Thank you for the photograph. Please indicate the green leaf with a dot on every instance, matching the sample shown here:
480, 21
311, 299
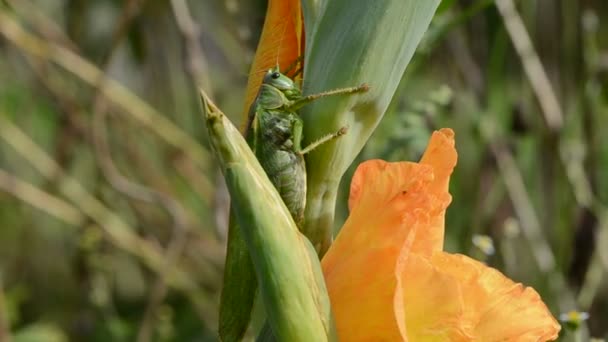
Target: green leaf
238, 287
289, 276
350, 43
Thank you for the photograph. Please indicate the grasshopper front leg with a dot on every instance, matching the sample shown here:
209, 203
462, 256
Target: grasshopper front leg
297, 104
297, 128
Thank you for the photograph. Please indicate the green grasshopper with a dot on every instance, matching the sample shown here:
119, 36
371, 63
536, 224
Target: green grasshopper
274, 131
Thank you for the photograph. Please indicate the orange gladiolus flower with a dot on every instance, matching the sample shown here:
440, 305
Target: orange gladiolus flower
387, 276
389, 280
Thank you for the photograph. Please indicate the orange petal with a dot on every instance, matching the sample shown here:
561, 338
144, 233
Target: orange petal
388, 279
390, 203
361, 290
428, 303
387, 199
282, 42
452, 297
441, 155
498, 308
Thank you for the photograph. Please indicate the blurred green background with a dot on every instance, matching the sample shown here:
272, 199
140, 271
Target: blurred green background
113, 214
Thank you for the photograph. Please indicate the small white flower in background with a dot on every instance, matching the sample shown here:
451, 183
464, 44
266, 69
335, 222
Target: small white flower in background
573, 319
484, 243
574, 316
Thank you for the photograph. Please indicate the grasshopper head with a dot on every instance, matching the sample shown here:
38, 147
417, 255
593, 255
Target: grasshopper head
274, 78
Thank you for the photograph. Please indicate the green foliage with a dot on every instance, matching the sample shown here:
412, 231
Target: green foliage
274, 133
289, 277
376, 41
65, 278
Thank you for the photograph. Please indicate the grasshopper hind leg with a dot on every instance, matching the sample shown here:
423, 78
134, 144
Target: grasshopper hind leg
322, 140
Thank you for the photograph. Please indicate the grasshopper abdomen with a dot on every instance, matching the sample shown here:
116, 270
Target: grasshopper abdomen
277, 150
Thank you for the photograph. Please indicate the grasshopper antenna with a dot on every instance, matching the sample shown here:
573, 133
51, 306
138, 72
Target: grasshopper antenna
295, 65
277, 67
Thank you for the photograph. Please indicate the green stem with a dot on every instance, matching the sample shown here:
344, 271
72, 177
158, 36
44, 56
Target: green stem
320, 212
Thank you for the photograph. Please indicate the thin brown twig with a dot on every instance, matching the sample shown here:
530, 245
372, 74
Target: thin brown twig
145, 114
198, 71
134, 190
551, 109
129, 188
130, 11
197, 63
530, 223
524, 208
41, 22
40, 199
73, 125
177, 241
112, 90
516, 189
118, 231
514, 183
139, 192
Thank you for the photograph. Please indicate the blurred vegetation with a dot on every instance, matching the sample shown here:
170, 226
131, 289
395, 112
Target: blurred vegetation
112, 214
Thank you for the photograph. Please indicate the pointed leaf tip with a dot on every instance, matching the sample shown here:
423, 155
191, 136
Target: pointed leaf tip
209, 108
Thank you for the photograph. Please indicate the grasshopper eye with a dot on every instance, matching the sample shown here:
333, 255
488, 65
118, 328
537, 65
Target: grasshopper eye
275, 75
